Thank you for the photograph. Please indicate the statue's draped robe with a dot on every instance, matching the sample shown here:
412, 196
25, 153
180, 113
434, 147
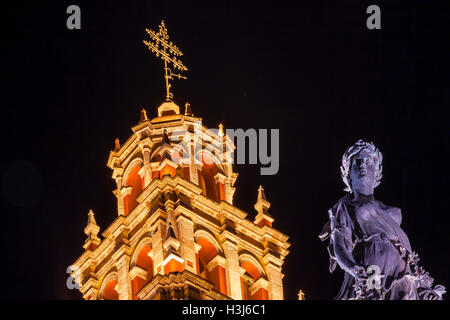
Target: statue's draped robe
372, 235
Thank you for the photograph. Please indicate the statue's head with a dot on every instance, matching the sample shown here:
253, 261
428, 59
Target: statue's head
361, 167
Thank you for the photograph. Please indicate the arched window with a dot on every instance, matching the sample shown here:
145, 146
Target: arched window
207, 252
145, 263
108, 288
134, 181
110, 293
211, 264
253, 282
209, 171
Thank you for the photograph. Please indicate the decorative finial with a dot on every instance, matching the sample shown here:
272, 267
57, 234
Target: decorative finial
262, 207
91, 231
168, 52
221, 133
91, 218
187, 109
117, 145
261, 194
301, 295
143, 115
91, 228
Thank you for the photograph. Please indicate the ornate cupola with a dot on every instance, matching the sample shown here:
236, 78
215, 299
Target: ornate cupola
177, 234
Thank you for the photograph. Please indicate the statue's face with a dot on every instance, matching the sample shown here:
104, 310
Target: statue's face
362, 172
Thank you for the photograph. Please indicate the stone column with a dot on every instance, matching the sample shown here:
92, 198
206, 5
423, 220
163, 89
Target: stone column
275, 278
157, 248
123, 278
187, 248
147, 167
232, 270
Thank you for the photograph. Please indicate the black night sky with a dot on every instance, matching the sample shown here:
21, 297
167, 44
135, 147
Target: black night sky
312, 70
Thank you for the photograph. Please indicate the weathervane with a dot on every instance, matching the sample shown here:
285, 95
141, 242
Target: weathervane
168, 52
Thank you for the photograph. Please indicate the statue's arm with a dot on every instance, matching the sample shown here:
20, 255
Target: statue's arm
343, 253
341, 239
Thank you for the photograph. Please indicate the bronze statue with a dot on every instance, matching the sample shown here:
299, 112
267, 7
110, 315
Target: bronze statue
366, 239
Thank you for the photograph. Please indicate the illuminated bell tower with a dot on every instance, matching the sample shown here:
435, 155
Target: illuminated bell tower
177, 234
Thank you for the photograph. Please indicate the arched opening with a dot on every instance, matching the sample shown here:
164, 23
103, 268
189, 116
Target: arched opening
207, 252
134, 181
109, 291
251, 270
210, 265
144, 262
251, 288
207, 181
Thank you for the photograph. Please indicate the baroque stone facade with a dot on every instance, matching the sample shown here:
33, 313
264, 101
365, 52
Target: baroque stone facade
177, 234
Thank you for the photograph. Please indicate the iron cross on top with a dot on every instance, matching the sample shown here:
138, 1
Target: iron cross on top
168, 52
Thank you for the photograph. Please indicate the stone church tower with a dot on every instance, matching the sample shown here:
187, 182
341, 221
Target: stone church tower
177, 234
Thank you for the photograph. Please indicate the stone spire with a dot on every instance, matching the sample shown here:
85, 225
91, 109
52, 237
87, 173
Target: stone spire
262, 207
91, 231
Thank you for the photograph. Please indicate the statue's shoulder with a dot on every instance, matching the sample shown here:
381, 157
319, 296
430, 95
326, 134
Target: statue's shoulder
341, 203
332, 215
394, 212
340, 213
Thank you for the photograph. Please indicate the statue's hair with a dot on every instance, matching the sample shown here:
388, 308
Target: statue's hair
347, 159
